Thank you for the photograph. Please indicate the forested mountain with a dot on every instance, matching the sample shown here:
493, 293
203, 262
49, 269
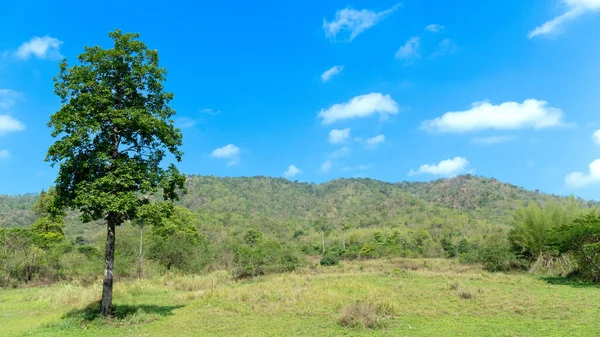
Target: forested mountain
276, 202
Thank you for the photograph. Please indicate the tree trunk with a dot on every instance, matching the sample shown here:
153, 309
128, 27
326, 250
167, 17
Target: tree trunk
107, 285
141, 255
323, 241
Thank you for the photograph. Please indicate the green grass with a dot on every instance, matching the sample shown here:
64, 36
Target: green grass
398, 297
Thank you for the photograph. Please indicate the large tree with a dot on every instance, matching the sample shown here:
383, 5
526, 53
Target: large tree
113, 131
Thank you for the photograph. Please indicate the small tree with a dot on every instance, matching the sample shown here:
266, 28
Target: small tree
324, 226
114, 129
48, 228
150, 214
345, 227
582, 239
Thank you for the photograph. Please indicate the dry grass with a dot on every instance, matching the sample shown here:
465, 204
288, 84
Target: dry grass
359, 315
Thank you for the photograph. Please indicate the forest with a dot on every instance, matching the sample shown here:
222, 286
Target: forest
259, 225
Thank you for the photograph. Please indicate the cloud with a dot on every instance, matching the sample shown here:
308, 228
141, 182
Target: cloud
492, 140
434, 28
341, 152
506, 116
354, 21
42, 47
360, 107
292, 171
579, 180
339, 136
445, 47
8, 98
9, 124
326, 166
375, 141
410, 50
446, 168
230, 152
575, 8
4, 154
596, 137
327, 75
185, 123
356, 168
210, 111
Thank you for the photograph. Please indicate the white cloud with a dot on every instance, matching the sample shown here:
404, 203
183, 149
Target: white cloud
210, 111
354, 21
492, 140
230, 152
292, 171
579, 179
8, 98
596, 137
42, 47
339, 136
4, 154
356, 168
327, 75
375, 141
506, 116
575, 8
410, 50
185, 123
446, 168
326, 166
445, 47
359, 107
434, 28
9, 124
341, 152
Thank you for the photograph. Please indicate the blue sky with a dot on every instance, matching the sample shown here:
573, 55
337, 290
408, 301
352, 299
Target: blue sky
317, 90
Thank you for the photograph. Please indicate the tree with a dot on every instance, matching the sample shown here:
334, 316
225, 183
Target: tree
322, 225
48, 228
150, 214
532, 226
176, 240
113, 130
582, 239
345, 227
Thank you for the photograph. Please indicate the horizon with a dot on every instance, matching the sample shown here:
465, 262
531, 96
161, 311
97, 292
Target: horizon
402, 92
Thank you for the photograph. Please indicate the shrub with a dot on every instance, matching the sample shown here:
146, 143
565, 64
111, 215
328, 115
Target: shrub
359, 315
496, 254
465, 294
329, 260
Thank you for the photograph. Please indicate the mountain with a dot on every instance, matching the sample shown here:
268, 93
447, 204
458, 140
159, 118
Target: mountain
277, 204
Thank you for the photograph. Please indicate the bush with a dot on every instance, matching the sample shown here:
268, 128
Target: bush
496, 254
359, 315
329, 260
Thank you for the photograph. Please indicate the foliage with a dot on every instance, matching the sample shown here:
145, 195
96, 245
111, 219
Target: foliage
581, 238
48, 228
532, 226
495, 254
113, 130
177, 243
329, 260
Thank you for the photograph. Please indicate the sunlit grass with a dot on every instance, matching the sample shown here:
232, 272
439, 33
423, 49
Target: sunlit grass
377, 297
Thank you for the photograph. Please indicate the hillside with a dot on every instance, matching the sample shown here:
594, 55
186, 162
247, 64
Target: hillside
268, 202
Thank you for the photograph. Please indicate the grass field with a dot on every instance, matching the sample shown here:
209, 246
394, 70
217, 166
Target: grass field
398, 297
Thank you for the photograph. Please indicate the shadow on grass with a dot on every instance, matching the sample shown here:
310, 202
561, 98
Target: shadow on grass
123, 312
569, 281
